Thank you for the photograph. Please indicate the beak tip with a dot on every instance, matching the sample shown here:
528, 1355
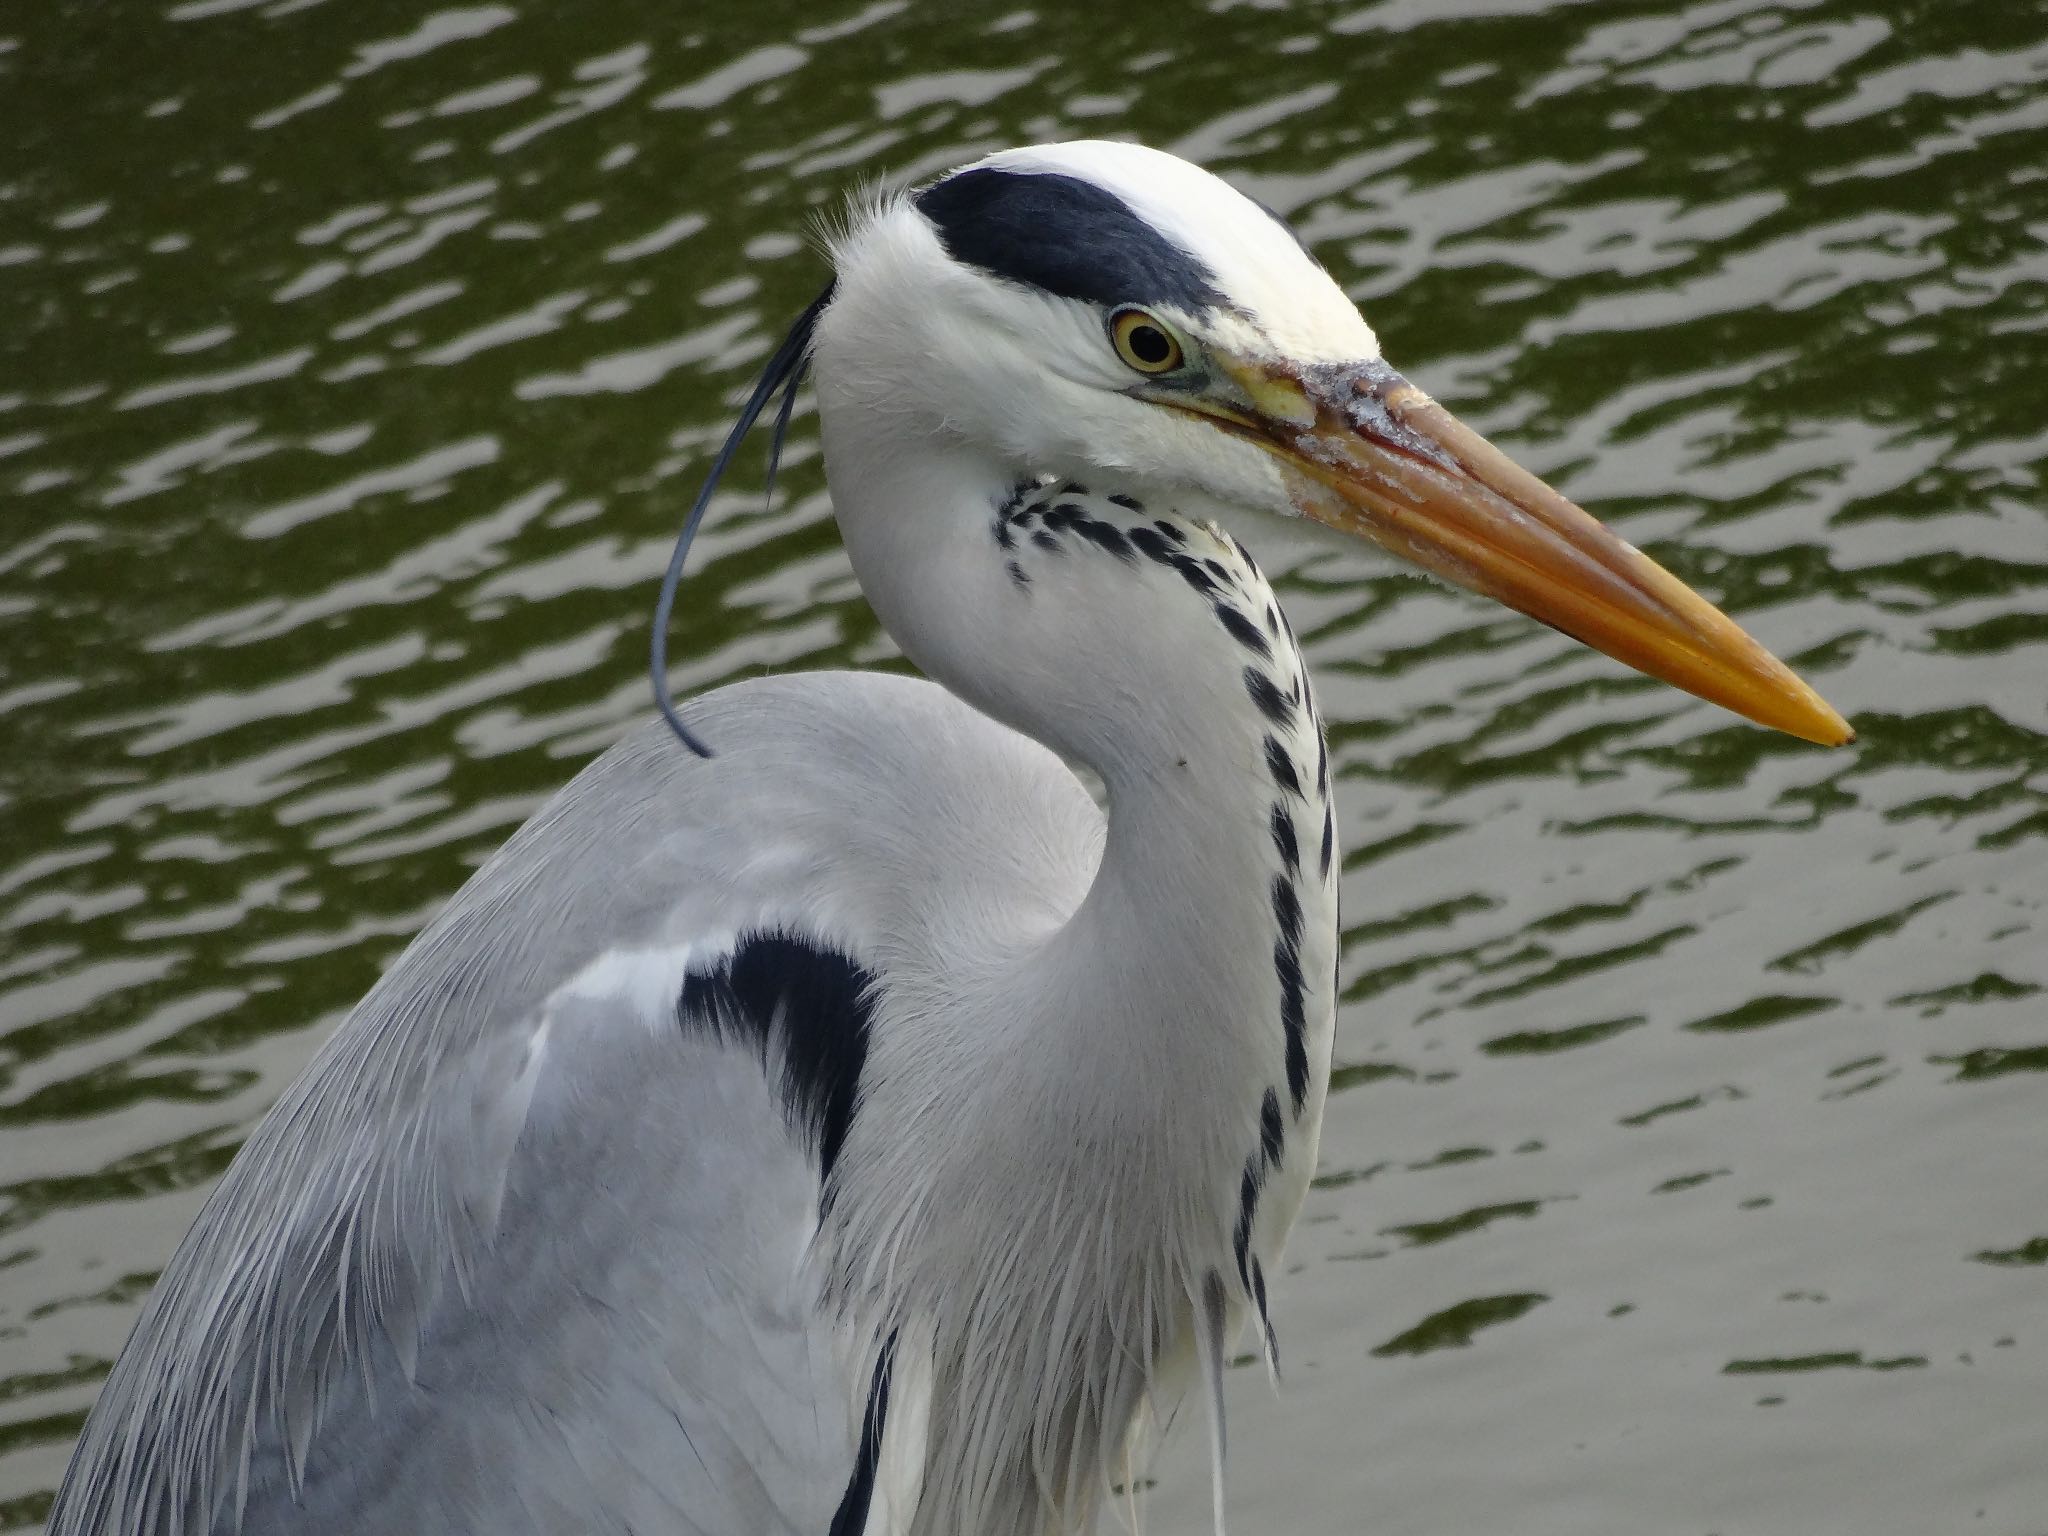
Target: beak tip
1821, 724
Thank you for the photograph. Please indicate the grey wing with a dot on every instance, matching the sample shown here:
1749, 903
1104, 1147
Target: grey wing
524, 1250
637, 1347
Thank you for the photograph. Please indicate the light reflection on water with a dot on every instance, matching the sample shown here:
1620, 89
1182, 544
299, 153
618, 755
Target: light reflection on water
356, 363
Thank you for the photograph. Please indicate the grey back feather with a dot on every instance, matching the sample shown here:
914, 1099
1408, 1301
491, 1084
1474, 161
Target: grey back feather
507, 1219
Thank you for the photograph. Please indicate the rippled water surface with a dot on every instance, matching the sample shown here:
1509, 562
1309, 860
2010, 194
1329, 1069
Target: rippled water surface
1686, 1169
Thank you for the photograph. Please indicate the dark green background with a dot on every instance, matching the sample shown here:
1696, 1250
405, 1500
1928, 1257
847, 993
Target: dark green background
1686, 1168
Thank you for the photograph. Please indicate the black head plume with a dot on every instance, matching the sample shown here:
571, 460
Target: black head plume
783, 374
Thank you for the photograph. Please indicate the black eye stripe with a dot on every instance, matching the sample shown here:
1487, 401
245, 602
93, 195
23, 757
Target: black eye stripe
1066, 236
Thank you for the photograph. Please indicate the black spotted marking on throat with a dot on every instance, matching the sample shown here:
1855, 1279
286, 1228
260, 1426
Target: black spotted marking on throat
1265, 1317
1014, 515
1272, 1134
1281, 766
1191, 572
1250, 1273
1293, 989
1282, 710
1065, 236
1272, 703
1247, 1209
1287, 628
1284, 840
1149, 543
781, 992
1107, 536
1163, 542
1020, 495
1287, 909
1244, 631
1041, 516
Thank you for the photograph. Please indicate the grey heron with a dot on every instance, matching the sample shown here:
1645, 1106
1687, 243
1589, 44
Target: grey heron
858, 1130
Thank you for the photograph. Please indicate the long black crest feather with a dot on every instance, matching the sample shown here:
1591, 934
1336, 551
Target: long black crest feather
783, 374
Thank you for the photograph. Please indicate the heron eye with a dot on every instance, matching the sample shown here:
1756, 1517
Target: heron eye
1144, 341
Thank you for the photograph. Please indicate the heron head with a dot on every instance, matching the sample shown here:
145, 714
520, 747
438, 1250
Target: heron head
1104, 308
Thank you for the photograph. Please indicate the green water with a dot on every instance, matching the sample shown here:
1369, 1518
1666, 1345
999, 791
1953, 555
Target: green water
1686, 1169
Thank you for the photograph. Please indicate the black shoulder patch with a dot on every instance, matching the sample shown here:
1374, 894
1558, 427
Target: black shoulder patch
1066, 236
815, 1005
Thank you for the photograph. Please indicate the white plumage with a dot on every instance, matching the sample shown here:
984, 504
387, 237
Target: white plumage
856, 1132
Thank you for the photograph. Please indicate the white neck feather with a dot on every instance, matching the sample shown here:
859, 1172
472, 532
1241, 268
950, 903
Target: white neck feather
1168, 1044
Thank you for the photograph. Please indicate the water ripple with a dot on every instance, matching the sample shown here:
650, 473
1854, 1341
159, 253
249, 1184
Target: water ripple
1687, 1077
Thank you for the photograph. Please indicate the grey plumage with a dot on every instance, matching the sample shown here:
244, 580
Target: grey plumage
663, 1351
516, 1207
859, 1132
320, 1356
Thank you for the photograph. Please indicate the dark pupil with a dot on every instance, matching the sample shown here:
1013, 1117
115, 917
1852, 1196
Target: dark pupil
1148, 344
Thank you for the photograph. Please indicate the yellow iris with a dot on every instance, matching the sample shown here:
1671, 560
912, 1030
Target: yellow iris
1144, 341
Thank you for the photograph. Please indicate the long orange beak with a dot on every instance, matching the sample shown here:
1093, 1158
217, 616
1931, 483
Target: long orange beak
1370, 454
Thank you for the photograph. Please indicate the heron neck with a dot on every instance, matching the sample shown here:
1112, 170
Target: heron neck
1174, 1026
1147, 646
